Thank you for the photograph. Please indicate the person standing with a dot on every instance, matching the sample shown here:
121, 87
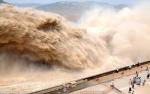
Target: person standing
148, 73
130, 89
144, 82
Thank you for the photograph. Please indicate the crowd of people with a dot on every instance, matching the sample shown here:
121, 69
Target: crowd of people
137, 80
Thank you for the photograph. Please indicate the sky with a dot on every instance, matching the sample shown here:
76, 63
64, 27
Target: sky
52, 1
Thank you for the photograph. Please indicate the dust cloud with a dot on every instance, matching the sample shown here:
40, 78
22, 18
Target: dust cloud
47, 43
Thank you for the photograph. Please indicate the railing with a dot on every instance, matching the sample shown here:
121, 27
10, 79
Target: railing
95, 79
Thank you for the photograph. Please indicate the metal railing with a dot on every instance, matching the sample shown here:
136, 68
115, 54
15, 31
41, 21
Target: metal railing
95, 79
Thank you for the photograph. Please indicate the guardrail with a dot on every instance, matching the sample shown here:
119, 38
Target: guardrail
95, 79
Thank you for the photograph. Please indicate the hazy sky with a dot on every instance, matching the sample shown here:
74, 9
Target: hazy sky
51, 1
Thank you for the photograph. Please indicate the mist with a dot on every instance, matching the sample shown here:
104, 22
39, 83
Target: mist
43, 43
125, 33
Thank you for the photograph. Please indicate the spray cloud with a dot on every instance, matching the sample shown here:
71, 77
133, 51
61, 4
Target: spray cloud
105, 38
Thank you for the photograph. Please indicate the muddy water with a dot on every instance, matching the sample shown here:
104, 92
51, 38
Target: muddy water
40, 50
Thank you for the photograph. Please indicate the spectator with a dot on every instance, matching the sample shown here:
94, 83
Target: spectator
130, 89
144, 82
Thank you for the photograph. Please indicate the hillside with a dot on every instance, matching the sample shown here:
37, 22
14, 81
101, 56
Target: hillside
73, 10
1, 1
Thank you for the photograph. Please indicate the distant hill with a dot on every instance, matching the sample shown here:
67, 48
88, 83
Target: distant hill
73, 10
1, 1
28, 5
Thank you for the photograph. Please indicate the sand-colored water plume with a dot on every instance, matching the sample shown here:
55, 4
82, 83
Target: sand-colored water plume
46, 37
104, 39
